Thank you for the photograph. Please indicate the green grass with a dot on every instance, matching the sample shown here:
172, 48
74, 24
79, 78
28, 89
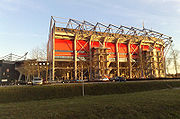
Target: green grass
29, 93
158, 104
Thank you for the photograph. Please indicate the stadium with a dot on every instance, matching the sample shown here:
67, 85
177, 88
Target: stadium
79, 50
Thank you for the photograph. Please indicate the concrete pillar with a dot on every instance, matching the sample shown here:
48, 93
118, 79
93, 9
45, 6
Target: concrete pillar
117, 57
53, 63
82, 73
129, 59
90, 58
141, 62
20, 76
46, 72
75, 58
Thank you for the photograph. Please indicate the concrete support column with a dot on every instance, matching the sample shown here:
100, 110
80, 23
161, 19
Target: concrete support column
75, 57
53, 63
129, 59
155, 61
164, 61
20, 75
90, 58
155, 64
141, 60
160, 59
117, 57
82, 73
46, 71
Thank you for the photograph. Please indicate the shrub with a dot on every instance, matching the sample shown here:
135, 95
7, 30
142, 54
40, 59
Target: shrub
28, 93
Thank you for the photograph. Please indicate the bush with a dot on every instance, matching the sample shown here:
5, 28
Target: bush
28, 93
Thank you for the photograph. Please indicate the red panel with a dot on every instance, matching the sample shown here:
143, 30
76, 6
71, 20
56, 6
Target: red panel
134, 49
145, 47
95, 44
61, 44
112, 49
63, 53
82, 48
83, 45
64, 47
122, 50
111, 46
158, 49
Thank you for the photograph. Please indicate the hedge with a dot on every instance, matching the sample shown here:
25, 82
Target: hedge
29, 93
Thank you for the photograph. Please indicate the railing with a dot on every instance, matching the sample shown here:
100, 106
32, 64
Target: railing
13, 57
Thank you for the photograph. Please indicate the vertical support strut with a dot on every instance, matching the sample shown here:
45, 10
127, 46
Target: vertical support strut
141, 62
160, 62
20, 76
46, 71
129, 59
82, 73
164, 61
53, 68
75, 57
90, 58
155, 63
104, 42
117, 57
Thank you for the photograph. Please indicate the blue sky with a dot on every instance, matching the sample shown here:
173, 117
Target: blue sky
24, 24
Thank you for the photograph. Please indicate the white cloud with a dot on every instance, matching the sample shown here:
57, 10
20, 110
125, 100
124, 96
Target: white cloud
17, 5
160, 1
178, 10
171, 1
8, 6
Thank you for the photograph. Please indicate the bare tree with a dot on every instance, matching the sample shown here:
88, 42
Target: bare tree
172, 60
168, 62
39, 53
175, 58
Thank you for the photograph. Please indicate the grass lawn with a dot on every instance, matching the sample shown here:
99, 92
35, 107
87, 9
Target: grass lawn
157, 104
